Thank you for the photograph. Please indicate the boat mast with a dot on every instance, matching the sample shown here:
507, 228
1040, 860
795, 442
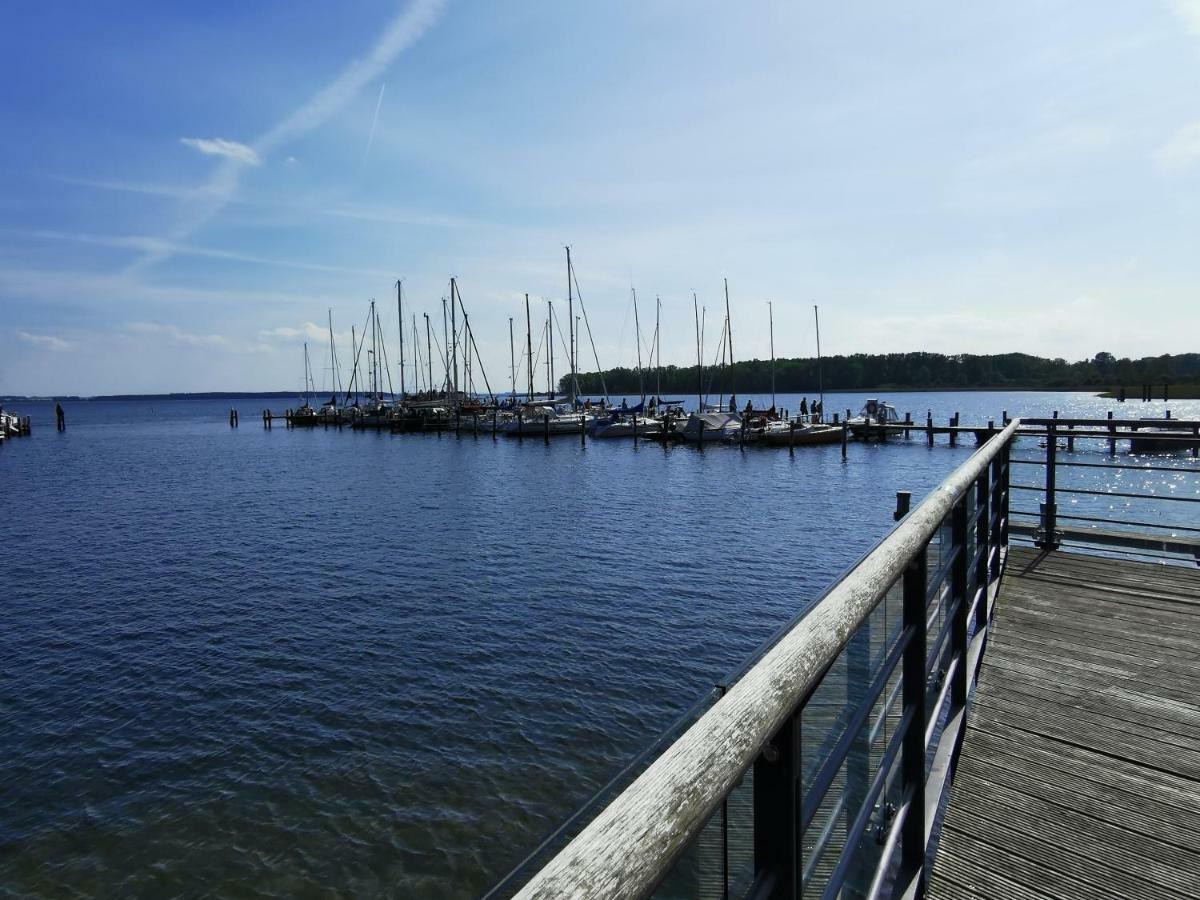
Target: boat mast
428, 351
550, 344
571, 327
335, 387
400, 323
699, 359
453, 337
529, 345
417, 357
658, 342
637, 333
353, 386
820, 380
376, 387
771, 316
307, 378
446, 351
729, 334
512, 357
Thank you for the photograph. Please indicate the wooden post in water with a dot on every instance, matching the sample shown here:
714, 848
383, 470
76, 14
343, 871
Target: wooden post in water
845, 438
495, 415
929, 427
908, 424
1070, 439
903, 504
953, 434
582, 428
635, 434
1112, 441
546, 427
792, 438
520, 427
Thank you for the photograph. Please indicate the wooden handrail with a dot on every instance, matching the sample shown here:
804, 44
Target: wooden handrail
631, 845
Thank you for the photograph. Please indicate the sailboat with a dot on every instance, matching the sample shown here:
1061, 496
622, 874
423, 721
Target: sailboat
710, 424
305, 414
803, 430
627, 421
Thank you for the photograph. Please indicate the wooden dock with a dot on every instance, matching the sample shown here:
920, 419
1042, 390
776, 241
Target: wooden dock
1079, 774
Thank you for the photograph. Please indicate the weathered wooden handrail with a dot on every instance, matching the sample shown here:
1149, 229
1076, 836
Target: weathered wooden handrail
628, 849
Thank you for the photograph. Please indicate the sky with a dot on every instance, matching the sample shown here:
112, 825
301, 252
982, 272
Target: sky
189, 191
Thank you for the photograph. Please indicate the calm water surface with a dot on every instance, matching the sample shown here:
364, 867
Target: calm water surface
251, 663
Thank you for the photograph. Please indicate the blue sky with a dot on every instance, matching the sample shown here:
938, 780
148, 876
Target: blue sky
186, 189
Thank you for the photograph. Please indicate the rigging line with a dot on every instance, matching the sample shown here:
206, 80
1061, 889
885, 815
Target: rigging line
558, 327
383, 349
479, 362
591, 340
713, 369
357, 354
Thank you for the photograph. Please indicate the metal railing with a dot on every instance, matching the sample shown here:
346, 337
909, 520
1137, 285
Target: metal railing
819, 770
1089, 497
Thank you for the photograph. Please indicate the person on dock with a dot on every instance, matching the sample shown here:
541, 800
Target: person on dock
733, 403
60, 416
804, 406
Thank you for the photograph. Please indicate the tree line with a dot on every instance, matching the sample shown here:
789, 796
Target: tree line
910, 371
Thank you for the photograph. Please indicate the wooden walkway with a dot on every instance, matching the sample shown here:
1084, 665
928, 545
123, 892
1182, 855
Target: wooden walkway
1080, 768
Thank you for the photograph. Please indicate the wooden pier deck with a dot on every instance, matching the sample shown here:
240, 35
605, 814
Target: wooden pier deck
1080, 768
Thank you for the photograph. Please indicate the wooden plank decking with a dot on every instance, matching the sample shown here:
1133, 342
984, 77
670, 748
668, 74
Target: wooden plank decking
1080, 769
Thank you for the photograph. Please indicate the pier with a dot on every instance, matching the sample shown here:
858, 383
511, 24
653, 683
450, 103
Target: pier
986, 704
1080, 769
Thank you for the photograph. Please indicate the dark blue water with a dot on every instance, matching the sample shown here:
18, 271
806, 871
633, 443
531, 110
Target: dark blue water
241, 662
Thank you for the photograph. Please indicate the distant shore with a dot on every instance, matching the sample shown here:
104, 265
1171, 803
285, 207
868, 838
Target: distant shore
1175, 392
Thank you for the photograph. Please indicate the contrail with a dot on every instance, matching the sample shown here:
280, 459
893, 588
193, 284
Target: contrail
374, 122
398, 35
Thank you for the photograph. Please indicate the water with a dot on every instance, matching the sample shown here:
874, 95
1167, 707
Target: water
241, 662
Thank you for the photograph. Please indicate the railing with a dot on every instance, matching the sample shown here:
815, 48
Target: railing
1099, 498
819, 770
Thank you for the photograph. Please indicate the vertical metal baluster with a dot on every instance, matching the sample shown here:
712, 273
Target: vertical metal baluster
912, 754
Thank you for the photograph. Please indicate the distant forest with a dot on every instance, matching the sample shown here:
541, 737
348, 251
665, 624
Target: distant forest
911, 371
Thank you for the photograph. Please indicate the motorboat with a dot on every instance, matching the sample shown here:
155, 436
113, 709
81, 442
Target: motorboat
877, 418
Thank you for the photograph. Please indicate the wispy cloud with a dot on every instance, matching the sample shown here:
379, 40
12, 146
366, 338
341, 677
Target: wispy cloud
221, 147
153, 245
45, 341
170, 191
177, 335
1182, 151
309, 330
399, 34
374, 122
1189, 12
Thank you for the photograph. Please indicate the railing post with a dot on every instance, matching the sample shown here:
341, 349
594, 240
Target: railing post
1048, 539
1005, 478
777, 812
960, 593
912, 761
984, 538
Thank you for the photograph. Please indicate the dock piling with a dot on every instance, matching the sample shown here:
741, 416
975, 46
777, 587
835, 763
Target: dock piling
1112, 442
845, 438
546, 427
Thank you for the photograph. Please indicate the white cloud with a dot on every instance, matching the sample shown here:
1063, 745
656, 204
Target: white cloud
221, 147
46, 341
1181, 151
178, 335
1189, 12
292, 161
309, 330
